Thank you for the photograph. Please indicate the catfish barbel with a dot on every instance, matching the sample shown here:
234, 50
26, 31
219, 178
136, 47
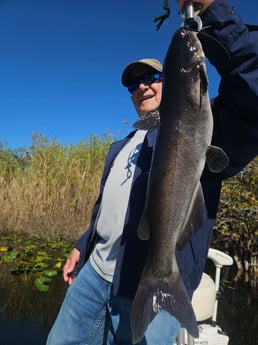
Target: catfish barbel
175, 203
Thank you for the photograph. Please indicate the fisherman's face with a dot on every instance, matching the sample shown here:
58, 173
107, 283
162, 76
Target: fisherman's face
147, 97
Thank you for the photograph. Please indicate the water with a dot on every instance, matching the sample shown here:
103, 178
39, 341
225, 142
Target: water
238, 308
26, 315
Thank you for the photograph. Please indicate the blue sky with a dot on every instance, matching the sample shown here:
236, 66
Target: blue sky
61, 64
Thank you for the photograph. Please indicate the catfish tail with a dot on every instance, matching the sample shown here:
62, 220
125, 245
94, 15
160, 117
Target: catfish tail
154, 294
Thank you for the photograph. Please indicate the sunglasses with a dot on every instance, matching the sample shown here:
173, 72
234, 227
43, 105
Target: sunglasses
147, 79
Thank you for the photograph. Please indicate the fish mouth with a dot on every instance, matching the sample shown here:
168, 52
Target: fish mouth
193, 56
197, 64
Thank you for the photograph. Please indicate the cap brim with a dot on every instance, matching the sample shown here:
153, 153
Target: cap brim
135, 70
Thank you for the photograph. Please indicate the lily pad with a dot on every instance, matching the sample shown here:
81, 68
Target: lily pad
58, 265
40, 266
10, 257
42, 283
28, 250
50, 273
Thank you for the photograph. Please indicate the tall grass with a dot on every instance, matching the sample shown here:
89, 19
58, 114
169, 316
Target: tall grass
50, 189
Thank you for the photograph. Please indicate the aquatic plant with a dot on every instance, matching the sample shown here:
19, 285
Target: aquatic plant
34, 259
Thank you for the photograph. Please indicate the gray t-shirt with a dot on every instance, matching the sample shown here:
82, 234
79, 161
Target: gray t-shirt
114, 206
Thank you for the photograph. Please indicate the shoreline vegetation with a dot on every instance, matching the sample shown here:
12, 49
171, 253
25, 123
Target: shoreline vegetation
48, 191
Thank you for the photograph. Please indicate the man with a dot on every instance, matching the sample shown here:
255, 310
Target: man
108, 259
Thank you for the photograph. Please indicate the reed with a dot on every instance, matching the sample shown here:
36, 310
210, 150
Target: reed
50, 189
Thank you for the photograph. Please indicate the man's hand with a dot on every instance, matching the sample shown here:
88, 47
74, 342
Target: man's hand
70, 264
205, 4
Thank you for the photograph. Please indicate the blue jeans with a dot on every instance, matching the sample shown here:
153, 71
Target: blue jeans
91, 315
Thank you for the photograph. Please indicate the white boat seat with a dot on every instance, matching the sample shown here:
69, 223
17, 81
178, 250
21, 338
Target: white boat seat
204, 298
205, 304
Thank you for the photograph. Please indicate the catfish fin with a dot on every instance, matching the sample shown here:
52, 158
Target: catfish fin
148, 121
217, 160
154, 294
143, 230
194, 220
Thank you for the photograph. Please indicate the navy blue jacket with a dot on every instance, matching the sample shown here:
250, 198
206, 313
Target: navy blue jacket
232, 48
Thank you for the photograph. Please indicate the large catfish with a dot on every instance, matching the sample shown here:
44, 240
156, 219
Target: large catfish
175, 205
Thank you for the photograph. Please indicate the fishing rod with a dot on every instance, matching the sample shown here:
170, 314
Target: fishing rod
189, 13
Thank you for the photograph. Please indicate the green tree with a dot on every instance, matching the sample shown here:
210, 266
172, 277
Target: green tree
237, 222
